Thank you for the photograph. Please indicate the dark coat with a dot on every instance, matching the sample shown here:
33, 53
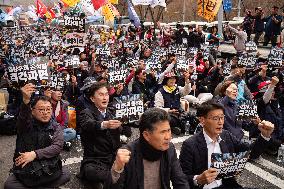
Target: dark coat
194, 154
170, 170
99, 144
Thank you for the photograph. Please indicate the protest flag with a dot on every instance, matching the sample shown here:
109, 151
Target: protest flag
113, 1
133, 15
88, 7
107, 12
99, 3
208, 9
70, 3
41, 8
114, 10
51, 12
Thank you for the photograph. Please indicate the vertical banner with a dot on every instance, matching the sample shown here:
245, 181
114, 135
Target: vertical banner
208, 9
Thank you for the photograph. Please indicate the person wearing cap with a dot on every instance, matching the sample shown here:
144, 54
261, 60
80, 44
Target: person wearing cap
168, 98
272, 27
149, 162
258, 24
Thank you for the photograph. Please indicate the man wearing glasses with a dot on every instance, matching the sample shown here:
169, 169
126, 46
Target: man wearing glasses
195, 156
39, 142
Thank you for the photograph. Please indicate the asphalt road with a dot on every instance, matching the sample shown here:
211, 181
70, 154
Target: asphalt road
266, 173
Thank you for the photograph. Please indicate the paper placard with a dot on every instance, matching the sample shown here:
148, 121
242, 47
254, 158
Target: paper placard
229, 164
129, 108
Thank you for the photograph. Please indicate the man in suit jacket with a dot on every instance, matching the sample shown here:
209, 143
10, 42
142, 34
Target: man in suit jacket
195, 156
100, 137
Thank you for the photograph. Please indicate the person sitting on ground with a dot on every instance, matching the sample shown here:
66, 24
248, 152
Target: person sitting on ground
39, 142
168, 98
60, 114
150, 161
195, 156
100, 137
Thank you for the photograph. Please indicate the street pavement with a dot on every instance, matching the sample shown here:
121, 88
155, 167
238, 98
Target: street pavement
265, 173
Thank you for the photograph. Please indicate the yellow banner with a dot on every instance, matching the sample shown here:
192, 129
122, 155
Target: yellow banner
113, 1
70, 3
208, 9
107, 12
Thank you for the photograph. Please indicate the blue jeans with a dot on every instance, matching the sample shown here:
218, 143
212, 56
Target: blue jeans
69, 134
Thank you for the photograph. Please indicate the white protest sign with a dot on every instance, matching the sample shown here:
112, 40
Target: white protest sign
76, 40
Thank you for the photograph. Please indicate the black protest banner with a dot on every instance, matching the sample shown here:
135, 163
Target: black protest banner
229, 164
227, 69
153, 63
191, 53
247, 110
177, 50
74, 23
251, 47
117, 76
132, 61
128, 108
275, 57
34, 70
160, 51
75, 40
2, 53
130, 45
105, 50
58, 81
248, 60
182, 64
72, 61
38, 44
111, 64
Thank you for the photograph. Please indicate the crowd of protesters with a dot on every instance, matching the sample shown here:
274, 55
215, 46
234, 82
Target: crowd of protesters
151, 161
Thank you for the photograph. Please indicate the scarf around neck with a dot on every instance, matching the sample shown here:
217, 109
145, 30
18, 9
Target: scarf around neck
169, 89
148, 152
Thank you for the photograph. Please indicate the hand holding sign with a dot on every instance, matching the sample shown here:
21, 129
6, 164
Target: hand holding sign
27, 92
122, 157
207, 176
111, 124
266, 128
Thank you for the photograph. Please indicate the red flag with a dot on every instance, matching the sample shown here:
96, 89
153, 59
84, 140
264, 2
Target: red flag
41, 8
99, 3
52, 12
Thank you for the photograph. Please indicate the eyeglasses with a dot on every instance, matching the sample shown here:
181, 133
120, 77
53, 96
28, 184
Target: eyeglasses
42, 110
217, 118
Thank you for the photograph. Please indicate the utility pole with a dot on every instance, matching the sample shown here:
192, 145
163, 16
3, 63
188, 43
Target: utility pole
239, 8
183, 11
220, 20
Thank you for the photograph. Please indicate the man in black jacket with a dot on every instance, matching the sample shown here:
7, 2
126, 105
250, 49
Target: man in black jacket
195, 156
151, 161
100, 137
39, 142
